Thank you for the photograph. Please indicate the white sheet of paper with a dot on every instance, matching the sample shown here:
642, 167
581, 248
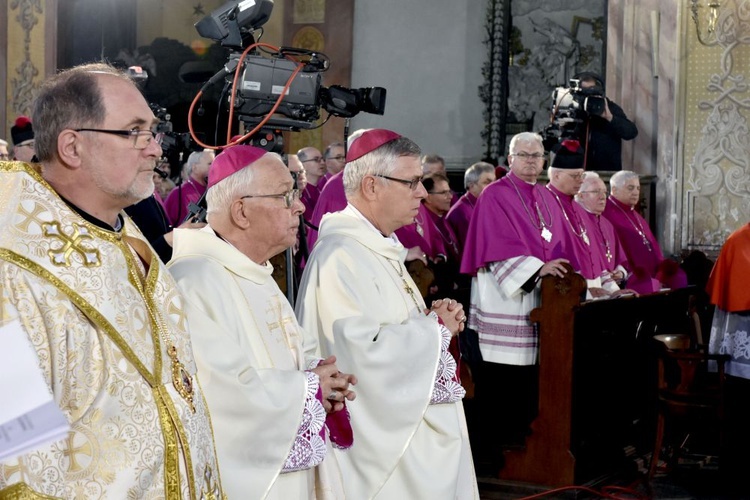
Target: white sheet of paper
22, 385
29, 416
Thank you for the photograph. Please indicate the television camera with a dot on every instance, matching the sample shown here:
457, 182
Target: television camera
264, 75
571, 107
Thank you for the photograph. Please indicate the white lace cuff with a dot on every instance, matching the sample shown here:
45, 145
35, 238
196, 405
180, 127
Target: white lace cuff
309, 448
447, 388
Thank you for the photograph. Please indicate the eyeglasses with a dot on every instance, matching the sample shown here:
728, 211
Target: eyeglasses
337, 157
595, 191
440, 193
579, 176
289, 197
4, 156
528, 156
28, 144
317, 159
413, 184
141, 138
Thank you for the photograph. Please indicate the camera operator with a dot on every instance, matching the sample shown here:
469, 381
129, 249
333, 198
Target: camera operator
606, 131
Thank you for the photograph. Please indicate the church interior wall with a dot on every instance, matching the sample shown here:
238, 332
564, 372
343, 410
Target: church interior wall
689, 101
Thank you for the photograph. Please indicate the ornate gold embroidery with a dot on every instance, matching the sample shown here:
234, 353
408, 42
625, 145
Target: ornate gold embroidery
210, 490
171, 448
70, 243
21, 491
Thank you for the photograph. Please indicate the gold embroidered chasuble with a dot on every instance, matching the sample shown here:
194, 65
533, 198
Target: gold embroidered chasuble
102, 313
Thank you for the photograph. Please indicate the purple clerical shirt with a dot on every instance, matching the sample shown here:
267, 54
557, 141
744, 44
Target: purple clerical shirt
458, 218
603, 236
635, 235
310, 196
423, 233
176, 204
577, 243
332, 199
506, 223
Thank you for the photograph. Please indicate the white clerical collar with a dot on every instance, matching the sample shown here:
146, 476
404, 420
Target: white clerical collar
352, 210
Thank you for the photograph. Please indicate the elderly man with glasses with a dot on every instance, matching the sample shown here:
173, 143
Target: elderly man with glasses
515, 238
592, 197
335, 159
408, 418
266, 388
103, 314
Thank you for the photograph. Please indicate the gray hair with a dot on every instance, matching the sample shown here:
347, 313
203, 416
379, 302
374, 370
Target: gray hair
327, 152
381, 161
194, 158
3, 143
588, 178
70, 99
474, 172
525, 137
221, 195
622, 177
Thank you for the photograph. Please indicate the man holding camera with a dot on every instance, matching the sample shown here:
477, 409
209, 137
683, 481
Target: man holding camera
604, 133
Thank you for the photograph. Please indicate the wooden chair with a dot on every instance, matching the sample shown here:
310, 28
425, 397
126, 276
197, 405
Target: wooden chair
687, 391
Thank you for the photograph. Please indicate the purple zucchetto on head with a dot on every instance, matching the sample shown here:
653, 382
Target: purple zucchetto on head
569, 155
232, 160
370, 141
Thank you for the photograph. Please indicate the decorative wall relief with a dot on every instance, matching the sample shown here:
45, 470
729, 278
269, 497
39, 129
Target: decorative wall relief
717, 193
22, 85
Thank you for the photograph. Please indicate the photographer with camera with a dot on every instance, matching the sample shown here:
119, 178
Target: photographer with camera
604, 131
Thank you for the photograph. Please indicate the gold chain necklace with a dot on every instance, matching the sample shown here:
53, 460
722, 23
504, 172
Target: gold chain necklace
407, 287
181, 379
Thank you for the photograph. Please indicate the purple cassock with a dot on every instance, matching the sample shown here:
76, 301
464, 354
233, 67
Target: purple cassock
577, 243
457, 219
429, 233
512, 218
332, 199
310, 196
603, 236
176, 204
639, 243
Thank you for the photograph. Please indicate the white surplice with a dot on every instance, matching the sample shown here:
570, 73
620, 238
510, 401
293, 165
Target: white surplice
101, 312
355, 293
249, 350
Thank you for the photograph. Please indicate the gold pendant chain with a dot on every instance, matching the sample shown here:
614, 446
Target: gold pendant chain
182, 381
407, 287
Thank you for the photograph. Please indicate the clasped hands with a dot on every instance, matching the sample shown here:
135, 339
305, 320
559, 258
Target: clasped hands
451, 313
334, 385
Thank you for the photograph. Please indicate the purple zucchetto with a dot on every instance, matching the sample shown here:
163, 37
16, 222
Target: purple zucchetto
370, 141
233, 160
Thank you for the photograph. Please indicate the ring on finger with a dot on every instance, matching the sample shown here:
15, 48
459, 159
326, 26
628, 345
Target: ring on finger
333, 396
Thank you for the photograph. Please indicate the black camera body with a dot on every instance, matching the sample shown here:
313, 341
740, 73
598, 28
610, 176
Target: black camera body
264, 79
571, 108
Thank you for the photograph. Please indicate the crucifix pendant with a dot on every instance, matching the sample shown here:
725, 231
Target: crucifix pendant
546, 234
585, 237
609, 255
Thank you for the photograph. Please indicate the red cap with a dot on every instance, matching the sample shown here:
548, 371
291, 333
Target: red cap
369, 141
233, 160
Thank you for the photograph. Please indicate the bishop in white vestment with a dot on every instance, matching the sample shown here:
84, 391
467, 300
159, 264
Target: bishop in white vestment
408, 419
261, 382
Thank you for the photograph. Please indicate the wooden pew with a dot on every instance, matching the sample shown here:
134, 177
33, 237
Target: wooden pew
596, 382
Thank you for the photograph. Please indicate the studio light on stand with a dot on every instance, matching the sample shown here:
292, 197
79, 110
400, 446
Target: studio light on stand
705, 15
